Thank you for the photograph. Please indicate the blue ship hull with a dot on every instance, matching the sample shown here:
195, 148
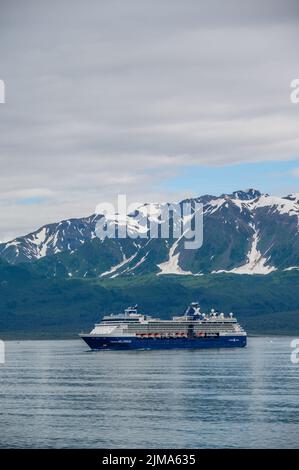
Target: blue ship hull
129, 342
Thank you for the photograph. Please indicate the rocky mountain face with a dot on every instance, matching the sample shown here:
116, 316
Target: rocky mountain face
245, 232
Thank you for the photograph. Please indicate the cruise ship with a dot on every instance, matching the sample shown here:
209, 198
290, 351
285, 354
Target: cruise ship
194, 329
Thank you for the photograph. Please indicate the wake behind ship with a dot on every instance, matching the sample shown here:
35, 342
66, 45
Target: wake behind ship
194, 329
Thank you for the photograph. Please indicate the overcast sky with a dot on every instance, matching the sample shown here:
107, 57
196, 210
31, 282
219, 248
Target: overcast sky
136, 96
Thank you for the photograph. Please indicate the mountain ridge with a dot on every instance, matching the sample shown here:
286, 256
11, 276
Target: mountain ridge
245, 232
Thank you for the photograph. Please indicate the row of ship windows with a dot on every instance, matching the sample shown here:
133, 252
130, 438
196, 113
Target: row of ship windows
171, 323
196, 328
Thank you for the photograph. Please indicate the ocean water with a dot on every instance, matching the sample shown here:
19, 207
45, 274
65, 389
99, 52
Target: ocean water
58, 394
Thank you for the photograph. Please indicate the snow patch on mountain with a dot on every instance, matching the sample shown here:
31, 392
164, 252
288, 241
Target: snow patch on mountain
283, 205
256, 262
214, 206
224, 202
118, 266
39, 237
171, 266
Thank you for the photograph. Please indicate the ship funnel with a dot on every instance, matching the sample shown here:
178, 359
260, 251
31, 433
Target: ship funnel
193, 309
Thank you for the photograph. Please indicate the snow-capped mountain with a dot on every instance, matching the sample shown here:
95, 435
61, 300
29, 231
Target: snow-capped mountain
49, 240
245, 232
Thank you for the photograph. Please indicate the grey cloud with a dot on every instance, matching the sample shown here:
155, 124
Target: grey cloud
111, 96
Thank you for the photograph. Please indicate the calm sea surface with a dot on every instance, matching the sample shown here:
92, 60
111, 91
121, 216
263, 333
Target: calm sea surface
58, 394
